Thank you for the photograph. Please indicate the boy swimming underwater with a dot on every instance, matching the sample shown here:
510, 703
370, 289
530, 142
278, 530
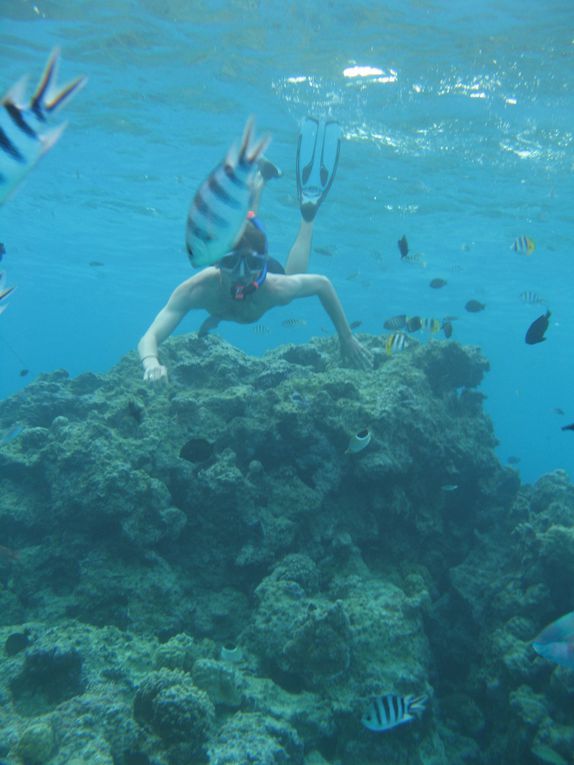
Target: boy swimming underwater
246, 283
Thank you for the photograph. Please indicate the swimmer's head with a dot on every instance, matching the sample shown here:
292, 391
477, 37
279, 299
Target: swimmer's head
247, 262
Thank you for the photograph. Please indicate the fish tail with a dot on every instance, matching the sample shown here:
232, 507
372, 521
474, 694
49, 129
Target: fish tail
417, 705
247, 155
40, 104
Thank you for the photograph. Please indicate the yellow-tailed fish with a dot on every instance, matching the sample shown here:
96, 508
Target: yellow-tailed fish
359, 441
431, 325
217, 216
523, 245
23, 135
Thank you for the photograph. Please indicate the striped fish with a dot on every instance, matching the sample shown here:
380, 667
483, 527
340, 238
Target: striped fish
388, 711
218, 211
398, 341
395, 322
23, 137
524, 245
294, 322
532, 298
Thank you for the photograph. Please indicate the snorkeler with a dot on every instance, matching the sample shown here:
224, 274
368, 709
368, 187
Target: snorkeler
247, 282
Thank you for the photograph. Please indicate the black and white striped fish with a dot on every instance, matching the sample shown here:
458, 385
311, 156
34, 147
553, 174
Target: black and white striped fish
388, 711
218, 211
23, 135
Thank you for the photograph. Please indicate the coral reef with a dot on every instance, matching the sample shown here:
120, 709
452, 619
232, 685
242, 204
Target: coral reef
145, 528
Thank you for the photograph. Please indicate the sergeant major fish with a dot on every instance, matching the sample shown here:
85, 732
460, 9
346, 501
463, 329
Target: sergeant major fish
22, 140
217, 215
389, 711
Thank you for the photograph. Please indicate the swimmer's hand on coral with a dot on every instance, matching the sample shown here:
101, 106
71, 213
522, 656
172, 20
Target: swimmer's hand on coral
154, 372
355, 353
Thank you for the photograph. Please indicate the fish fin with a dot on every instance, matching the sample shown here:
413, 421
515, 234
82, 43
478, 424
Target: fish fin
16, 94
65, 94
317, 159
417, 705
248, 154
51, 137
45, 98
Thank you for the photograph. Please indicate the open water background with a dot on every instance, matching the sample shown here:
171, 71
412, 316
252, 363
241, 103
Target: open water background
463, 143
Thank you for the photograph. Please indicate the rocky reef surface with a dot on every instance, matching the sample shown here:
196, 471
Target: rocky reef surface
201, 573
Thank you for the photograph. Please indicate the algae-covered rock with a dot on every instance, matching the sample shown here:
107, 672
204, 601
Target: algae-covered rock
174, 708
152, 525
257, 739
37, 743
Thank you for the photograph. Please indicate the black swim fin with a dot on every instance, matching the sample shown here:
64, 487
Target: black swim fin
317, 158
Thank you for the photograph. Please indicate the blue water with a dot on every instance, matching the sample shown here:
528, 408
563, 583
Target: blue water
463, 143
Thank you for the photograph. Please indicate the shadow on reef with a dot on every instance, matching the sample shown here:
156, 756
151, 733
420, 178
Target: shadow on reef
200, 573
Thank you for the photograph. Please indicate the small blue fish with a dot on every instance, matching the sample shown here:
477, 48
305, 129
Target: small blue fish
217, 216
389, 711
23, 138
556, 642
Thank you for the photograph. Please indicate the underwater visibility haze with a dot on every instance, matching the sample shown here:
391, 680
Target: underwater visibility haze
300, 548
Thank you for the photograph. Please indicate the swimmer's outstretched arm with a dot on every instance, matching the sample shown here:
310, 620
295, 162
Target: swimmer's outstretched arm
184, 298
308, 285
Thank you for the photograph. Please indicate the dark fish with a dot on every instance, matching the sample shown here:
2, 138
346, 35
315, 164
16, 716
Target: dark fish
568, 427
473, 306
23, 135
218, 212
436, 284
447, 329
536, 330
413, 323
355, 324
403, 246
324, 251
395, 322
95, 263
2, 250
513, 460
388, 711
557, 410
23, 372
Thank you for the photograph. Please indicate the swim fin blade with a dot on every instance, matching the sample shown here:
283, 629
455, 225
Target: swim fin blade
317, 157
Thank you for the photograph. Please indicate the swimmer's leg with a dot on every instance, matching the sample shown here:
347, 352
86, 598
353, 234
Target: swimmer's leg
266, 171
298, 259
